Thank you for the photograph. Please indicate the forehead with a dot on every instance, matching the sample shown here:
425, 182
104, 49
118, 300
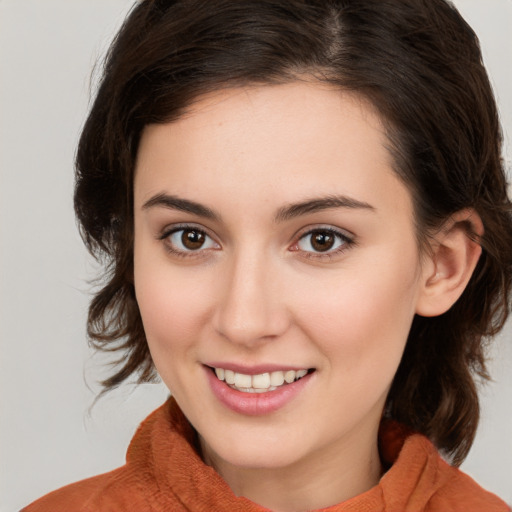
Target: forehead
294, 141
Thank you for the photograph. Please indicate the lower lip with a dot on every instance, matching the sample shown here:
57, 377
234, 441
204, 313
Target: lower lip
255, 404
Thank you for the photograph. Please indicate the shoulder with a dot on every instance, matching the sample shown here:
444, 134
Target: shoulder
448, 489
420, 479
461, 493
111, 491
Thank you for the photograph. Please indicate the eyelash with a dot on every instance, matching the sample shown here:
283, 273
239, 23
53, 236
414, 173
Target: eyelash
345, 242
165, 238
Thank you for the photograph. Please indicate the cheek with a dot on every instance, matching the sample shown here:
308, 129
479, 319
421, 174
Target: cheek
361, 331
362, 318
173, 313
172, 306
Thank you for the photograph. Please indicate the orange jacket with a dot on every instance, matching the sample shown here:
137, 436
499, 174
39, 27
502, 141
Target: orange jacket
163, 473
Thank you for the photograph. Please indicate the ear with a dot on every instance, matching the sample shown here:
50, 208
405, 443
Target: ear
447, 269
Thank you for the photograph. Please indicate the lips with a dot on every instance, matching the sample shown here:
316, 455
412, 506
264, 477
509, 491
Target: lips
250, 393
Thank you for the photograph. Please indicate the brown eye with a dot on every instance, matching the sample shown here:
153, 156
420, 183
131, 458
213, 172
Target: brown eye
188, 240
322, 241
192, 239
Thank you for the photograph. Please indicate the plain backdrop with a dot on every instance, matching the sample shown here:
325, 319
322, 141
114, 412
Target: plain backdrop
49, 436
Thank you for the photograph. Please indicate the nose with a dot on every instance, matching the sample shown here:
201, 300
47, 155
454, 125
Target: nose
251, 308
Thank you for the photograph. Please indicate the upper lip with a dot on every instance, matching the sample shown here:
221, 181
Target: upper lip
254, 369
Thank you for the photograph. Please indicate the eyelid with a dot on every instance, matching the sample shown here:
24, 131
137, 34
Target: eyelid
347, 238
172, 228
343, 233
169, 230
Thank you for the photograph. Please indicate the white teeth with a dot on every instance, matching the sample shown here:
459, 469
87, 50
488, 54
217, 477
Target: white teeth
261, 381
289, 376
276, 378
301, 373
258, 383
243, 381
254, 390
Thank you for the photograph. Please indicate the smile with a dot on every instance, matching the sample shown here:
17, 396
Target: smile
257, 390
260, 383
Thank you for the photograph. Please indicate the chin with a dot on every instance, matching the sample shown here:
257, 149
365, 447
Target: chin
254, 452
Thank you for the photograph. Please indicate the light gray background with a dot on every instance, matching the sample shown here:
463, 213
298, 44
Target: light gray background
47, 374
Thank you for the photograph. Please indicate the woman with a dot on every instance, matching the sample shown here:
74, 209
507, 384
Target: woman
305, 213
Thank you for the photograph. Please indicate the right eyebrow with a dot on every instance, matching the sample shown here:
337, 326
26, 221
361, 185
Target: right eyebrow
177, 203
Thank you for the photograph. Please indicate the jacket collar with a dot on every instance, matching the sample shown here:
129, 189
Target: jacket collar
163, 453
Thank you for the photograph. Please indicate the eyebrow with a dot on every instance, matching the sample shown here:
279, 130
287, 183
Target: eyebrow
177, 203
318, 204
283, 214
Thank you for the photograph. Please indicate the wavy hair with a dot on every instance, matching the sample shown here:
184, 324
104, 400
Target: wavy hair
416, 61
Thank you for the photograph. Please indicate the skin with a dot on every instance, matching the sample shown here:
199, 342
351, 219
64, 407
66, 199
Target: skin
257, 292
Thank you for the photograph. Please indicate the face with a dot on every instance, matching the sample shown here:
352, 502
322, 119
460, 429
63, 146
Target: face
274, 243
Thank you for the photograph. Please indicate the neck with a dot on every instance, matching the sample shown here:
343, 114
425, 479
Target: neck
323, 479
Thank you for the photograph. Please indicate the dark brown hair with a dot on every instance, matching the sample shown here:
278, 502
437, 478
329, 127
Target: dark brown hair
420, 65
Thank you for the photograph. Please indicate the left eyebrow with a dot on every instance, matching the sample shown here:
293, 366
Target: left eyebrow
318, 204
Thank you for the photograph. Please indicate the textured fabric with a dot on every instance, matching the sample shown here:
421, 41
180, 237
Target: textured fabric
164, 473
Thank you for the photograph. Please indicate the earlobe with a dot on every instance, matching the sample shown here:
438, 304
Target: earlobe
453, 258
